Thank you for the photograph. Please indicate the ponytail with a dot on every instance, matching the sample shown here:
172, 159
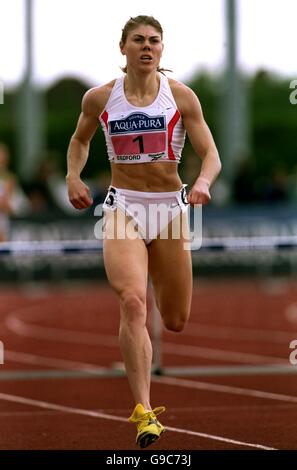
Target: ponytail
159, 69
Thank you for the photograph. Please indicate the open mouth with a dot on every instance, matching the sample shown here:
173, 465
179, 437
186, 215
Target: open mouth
146, 58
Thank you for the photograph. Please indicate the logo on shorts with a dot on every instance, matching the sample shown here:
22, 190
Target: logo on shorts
110, 197
184, 196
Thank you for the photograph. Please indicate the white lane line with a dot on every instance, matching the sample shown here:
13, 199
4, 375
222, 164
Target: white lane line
56, 363
194, 329
19, 327
96, 414
224, 389
29, 330
220, 354
233, 333
222, 439
19, 414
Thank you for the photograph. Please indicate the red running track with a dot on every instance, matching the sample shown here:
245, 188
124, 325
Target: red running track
238, 338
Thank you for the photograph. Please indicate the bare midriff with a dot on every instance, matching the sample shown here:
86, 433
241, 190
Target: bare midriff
148, 177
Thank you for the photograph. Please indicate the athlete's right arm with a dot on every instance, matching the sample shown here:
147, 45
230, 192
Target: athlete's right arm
92, 105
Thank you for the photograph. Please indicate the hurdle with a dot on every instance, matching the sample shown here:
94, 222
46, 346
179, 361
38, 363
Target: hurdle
53, 248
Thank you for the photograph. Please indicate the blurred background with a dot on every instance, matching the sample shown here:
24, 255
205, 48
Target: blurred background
237, 55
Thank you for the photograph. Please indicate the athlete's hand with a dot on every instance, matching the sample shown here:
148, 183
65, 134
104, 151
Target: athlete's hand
78, 192
199, 193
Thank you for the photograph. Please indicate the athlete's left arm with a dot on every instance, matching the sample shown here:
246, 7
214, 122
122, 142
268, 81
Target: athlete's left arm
203, 144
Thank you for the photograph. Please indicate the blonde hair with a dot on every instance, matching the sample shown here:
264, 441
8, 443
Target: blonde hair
135, 21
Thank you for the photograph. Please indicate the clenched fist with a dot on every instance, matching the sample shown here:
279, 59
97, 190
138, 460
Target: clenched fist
78, 192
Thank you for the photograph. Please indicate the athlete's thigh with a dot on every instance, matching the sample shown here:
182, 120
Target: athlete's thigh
170, 268
125, 258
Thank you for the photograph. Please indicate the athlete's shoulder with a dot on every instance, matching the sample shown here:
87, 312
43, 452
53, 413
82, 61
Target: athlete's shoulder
95, 99
180, 89
184, 96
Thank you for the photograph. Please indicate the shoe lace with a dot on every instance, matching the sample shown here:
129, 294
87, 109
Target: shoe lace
149, 414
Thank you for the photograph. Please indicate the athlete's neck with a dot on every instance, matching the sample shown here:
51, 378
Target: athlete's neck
141, 89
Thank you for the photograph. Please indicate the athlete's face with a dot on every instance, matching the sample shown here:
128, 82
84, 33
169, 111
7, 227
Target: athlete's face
143, 48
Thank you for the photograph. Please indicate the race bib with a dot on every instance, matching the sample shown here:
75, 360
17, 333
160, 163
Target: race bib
139, 136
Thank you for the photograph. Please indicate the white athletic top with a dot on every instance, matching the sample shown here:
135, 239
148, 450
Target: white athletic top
146, 134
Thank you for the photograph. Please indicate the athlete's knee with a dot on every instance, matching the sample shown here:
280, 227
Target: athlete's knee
133, 304
175, 323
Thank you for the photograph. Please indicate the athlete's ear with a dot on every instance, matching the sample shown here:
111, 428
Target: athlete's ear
121, 44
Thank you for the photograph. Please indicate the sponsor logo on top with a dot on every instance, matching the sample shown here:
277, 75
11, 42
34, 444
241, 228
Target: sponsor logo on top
137, 122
